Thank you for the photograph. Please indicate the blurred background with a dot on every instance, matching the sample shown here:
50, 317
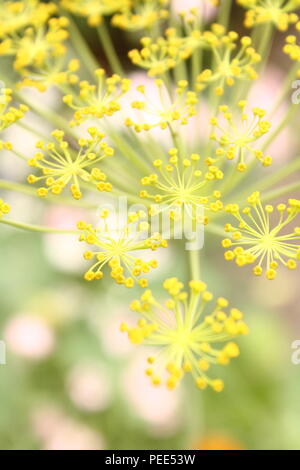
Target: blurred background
72, 380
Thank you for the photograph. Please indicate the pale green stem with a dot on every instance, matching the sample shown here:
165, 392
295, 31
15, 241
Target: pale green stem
176, 140
273, 179
19, 154
286, 88
262, 40
36, 228
168, 83
289, 115
51, 116
224, 12
109, 49
194, 259
129, 153
214, 229
196, 64
82, 48
22, 188
31, 130
276, 193
264, 43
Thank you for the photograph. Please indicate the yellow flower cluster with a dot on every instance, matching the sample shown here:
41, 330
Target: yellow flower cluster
190, 62
116, 244
281, 13
292, 48
176, 110
164, 53
229, 64
258, 239
96, 101
180, 184
4, 208
52, 73
93, 10
9, 114
236, 139
161, 54
61, 166
37, 44
186, 342
18, 15
140, 14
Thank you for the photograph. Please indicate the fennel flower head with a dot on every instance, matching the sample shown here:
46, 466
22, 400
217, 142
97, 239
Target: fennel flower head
258, 238
186, 144
121, 247
279, 12
61, 166
188, 334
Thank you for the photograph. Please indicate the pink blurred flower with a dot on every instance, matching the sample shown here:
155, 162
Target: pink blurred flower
64, 251
206, 9
158, 406
114, 342
264, 94
27, 335
57, 431
89, 387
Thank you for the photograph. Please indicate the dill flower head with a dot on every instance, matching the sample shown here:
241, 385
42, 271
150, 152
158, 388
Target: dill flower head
178, 110
236, 139
61, 166
230, 64
93, 10
257, 239
279, 12
161, 54
17, 15
180, 184
96, 101
120, 248
4, 208
292, 48
37, 44
185, 341
53, 72
9, 114
140, 14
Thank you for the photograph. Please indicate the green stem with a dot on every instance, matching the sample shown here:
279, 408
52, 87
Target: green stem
82, 48
224, 13
129, 152
264, 43
36, 228
286, 88
273, 179
51, 116
288, 188
31, 130
289, 115
194, 259
22, 188
178, 143
196, 64
215, 229
109, 49
19, 154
